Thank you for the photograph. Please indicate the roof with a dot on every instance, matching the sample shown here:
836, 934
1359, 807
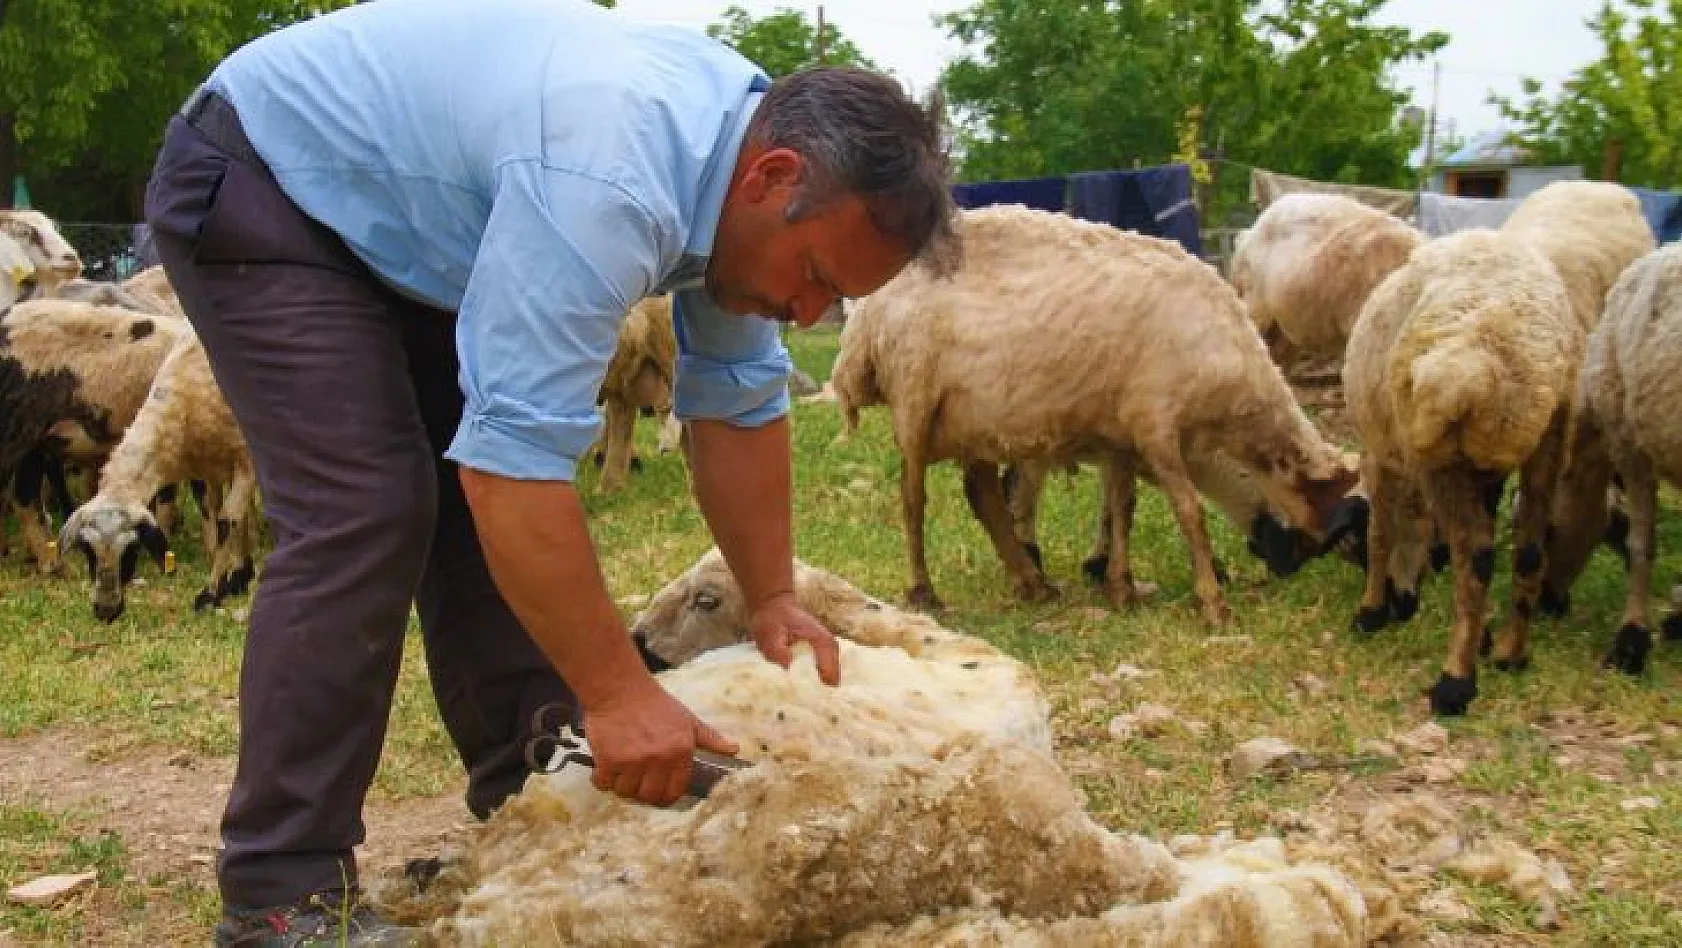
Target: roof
1493, 148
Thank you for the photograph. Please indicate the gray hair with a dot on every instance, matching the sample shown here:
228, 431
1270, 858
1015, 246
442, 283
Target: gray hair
861, 135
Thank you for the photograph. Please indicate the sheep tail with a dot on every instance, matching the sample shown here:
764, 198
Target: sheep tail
1448, 384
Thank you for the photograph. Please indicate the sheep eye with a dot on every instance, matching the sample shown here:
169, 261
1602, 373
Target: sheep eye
706, 601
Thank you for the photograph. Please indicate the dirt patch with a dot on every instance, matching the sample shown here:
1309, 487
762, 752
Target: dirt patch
165, 805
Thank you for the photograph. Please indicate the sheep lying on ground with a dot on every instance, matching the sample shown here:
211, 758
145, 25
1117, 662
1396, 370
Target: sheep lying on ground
72, 378
1628, 397
1309, 263
891, 800
55, 260
184, 431
638, 377
1117, 347
1460, 370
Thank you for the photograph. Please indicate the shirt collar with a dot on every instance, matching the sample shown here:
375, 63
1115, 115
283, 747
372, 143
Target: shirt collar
717, 181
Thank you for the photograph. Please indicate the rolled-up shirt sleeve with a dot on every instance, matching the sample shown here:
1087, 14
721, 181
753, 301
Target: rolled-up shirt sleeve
729, 368
563, 257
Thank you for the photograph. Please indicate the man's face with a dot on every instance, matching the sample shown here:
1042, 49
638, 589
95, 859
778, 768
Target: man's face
762, 265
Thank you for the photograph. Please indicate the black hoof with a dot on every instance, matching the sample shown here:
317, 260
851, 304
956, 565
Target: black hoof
1439, 557
1516, 664
1553, 604
1486, 642
1404, 604
1671, 627
1616, 537
1033, 551
1095, 568
108, 614
1369, 620
1630, 648
204, 600
1221, 573
236, 582
1450, 696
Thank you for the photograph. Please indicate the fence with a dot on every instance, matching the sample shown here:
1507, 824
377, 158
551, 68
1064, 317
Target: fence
109, 252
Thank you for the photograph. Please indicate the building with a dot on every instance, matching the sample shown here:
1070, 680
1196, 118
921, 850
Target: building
1492, 165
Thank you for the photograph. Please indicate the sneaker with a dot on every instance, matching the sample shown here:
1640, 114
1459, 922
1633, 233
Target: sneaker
319, 921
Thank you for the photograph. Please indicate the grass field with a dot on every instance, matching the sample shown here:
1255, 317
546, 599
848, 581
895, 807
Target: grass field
1549, 758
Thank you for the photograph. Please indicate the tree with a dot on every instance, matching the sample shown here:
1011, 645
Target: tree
1056, 86
1620, 117
785, 41
86, 87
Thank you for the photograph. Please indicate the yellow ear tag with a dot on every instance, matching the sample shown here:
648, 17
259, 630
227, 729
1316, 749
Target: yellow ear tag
169, 562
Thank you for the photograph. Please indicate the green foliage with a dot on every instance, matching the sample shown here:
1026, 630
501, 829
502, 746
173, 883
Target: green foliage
1628, 102
1056, 86
86, 87
785, 41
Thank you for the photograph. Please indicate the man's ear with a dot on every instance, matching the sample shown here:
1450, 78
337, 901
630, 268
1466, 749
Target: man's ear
771, 173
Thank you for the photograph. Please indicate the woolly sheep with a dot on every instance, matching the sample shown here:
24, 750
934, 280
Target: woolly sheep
1093, 328
1628, 397
870, 804
184, 431
55, 260
72, 378
1590, 231
638, 377
1309, 263
148, 291
1460, 370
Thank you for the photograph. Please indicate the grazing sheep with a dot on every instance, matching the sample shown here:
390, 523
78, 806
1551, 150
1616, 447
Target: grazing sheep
638, 377
1461, 369
1309, 263
1590, 231
55, 260
1063, 340
72, 377
892, 800
1628, 398
184, 431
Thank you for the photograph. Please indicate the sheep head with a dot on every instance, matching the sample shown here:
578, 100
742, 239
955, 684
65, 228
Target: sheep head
55, 260
111, 536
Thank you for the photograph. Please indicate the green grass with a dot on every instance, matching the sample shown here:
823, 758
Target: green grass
164, 678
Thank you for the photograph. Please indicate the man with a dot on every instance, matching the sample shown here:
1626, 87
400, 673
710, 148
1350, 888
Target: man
406, 233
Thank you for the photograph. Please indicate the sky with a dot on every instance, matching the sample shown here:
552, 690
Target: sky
1494, 43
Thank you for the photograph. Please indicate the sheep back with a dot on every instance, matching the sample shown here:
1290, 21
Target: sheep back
1590, 231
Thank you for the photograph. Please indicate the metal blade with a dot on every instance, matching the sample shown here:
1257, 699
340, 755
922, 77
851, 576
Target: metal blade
709, 768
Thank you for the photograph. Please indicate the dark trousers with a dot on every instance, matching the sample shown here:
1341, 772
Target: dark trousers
347, 395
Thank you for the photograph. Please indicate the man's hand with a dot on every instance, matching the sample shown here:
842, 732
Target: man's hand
644, 741
779, 622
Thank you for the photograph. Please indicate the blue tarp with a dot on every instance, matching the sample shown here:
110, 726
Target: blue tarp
1045, 194
1663, 210
1155, 201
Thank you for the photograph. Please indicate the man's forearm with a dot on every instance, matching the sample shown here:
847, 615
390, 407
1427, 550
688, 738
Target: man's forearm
540, 555
743, 482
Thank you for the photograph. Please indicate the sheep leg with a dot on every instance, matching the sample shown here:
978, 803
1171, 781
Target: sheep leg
1120, 478
671, 434
1169, 467
620, 421
913, 498
1024, 481
165, 509
34, 523
1410, 532
1096, 566
1538, 480
1578, 517
1383, 490
5, 535
238, 511
985, 493
1456, 499
1634, 641
209, 498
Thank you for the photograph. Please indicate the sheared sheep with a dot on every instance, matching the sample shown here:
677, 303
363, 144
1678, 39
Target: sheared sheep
184, 431
1461, 369
147, 291
55, 260
1309, 263
72, 378
1628, 397
889, 801
1062, 340
638, 377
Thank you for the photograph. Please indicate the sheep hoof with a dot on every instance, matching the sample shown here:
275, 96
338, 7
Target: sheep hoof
1217, 614
1553, 604
1037, 590
236, 582
1629, 650
1671, 627
1033, 551
1451, 696
636, 465
1221, 575
1404, 604
921, 596
1095, 568
204, 600
1370, 619
1439, 557
1514, 664
1486, 643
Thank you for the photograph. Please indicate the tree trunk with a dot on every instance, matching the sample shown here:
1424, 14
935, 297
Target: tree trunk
8, 154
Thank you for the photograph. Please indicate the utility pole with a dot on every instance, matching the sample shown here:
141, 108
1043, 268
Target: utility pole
1431, 123
817, 54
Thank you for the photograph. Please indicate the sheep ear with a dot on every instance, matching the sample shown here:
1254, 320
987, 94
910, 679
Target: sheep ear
67, 533
154, 541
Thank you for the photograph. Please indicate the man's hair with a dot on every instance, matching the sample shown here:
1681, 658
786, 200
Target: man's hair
861, 135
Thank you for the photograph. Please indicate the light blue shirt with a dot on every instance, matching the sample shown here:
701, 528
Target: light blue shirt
537, 166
